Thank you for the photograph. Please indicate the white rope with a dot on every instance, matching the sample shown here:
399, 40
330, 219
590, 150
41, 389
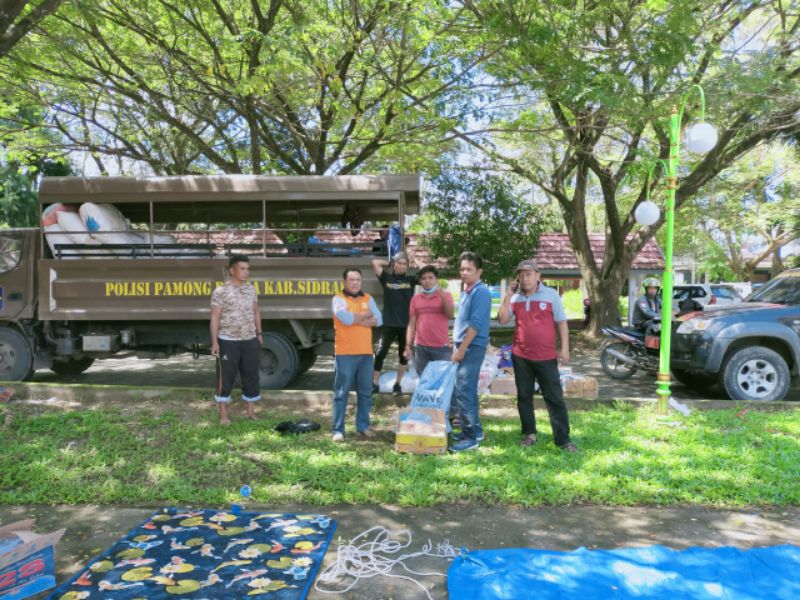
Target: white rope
363, 558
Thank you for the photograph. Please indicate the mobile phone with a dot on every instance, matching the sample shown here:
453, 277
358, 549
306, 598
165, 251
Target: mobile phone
515, 285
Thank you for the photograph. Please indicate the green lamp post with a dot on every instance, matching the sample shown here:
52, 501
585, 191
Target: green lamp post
701, 137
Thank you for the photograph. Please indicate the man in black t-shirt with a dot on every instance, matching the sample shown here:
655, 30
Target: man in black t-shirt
398, 289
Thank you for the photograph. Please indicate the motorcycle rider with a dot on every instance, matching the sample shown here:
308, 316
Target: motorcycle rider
648, 306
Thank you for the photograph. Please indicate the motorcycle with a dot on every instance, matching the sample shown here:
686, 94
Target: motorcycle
628, 350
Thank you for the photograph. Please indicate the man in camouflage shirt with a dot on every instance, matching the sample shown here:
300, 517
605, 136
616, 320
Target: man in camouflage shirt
236, 338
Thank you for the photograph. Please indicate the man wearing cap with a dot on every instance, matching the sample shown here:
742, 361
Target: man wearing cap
398, 289
536, 311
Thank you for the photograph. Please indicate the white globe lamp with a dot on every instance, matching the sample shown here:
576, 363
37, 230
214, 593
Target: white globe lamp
701, 137
647, 213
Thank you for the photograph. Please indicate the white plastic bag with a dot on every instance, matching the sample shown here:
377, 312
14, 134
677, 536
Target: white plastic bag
55, 235
487, 373
102, 218
386, 381
73, 225
410, 380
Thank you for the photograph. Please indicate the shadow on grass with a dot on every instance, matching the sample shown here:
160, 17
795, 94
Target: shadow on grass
626, 457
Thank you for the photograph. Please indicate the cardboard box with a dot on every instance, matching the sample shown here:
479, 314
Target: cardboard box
579, 386
504, 386
27, 560
421, 431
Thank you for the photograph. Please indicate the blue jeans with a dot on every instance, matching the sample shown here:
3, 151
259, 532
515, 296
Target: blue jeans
352, 371
466, 392
425, 354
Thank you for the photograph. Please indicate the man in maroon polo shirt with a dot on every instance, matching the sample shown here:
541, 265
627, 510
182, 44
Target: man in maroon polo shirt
537, 310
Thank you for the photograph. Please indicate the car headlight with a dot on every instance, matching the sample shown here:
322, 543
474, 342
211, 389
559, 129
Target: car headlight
694, 326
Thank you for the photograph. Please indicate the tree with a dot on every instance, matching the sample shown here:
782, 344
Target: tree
19, 206
485, 214
583, 92
310, 87
19, 17
748, 206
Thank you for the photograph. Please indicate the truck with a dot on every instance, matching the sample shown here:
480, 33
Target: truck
751, 348
69, 298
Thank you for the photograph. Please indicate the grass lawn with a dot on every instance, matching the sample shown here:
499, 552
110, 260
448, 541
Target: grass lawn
125, 454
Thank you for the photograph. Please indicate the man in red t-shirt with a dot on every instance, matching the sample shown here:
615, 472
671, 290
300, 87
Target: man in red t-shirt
428, 332
537, 310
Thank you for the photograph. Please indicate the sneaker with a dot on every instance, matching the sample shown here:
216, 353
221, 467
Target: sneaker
396, 389
457, 437
464, 445
569, 447
528, 440
367, 434
338, 437
376, 388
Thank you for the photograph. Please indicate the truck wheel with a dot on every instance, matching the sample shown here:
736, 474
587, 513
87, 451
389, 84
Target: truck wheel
72, 366
307, 359
694, 379
16, 357
615, 368
755, 373
279, 361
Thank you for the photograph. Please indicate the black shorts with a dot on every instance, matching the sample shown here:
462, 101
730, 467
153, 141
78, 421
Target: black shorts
388, 336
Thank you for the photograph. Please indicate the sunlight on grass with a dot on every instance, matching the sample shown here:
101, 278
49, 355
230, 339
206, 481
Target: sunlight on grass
627, 457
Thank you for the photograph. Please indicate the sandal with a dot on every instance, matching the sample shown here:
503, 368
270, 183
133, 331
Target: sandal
528, 440
569, 447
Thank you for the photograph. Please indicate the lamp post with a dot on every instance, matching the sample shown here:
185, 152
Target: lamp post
700, 138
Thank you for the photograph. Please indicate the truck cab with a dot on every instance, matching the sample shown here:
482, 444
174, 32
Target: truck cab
86, 286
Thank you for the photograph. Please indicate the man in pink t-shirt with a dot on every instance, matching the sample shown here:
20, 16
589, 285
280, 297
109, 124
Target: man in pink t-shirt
428, 333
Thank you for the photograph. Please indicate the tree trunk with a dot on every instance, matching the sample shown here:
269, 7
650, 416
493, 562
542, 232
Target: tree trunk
777, 263
603, 294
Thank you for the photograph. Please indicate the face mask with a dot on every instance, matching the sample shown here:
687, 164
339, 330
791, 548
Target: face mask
430, 291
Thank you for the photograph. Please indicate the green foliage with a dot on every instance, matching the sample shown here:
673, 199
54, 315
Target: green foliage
583, 99
178, 456
484, 214
18, 193
623, 304
202, 86
573, 304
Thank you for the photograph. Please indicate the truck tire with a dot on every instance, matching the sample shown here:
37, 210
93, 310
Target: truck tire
71, 366
16, 356
279, 361
695, 380
307, 359
755, 373
613, 367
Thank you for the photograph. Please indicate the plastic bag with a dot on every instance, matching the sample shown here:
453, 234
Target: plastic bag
505, 357
386, 381
487, 373
435, 387
410, 381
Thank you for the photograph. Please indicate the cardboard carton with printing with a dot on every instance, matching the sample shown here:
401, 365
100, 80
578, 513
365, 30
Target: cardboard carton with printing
27, 560
421, 431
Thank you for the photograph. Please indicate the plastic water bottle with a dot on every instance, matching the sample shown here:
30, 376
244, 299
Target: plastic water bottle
244, 492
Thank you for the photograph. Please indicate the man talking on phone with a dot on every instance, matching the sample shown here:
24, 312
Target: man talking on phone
537, 311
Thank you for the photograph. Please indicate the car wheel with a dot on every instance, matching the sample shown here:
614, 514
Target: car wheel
279, 361
16, 356
695, 380
756, 373
615, 367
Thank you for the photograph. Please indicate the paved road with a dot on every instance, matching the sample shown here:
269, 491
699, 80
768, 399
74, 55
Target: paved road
91, 529
184, 371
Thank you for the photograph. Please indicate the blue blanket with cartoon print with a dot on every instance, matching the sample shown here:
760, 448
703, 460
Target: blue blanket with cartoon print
210, 554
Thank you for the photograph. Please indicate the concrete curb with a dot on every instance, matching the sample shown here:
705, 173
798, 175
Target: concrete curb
317, 400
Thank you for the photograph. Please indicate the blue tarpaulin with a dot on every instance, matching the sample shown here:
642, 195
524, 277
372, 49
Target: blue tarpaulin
650, 572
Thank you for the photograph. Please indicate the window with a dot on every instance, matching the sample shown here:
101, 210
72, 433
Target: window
10, 252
